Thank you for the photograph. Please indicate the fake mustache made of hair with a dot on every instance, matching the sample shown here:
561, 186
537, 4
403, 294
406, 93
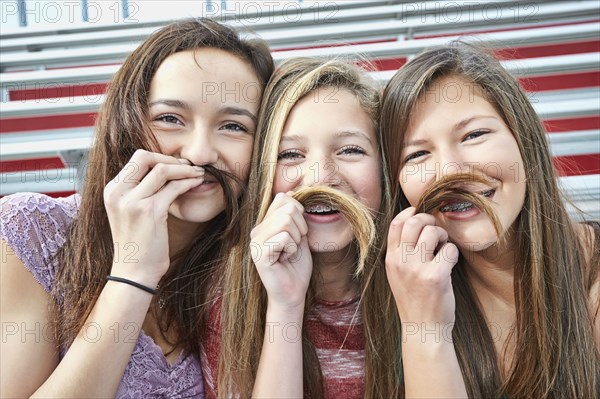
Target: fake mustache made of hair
226, 180
455, 188
357, 214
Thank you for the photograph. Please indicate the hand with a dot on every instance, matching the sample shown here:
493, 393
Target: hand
137, 201
281, 254
418, 275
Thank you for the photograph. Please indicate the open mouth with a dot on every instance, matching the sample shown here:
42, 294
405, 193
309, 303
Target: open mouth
464, 206
321, 209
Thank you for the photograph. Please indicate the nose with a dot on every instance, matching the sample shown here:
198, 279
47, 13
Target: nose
199, 147
321, 171
451, 161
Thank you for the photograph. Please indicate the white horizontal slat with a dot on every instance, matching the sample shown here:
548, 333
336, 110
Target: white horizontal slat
307, 35
551, 65
247, 13
513, 38
568, 108
328, 13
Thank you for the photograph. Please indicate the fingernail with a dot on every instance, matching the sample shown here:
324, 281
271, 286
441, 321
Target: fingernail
198, 168
184, 161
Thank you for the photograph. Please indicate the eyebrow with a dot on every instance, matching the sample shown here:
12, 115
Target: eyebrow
353, 133
238, 111
171, 103
457, 126
292, 137
224, 110
344, 133
465, 122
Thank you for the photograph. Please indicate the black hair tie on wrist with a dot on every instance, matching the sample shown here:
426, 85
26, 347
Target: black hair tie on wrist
133, 283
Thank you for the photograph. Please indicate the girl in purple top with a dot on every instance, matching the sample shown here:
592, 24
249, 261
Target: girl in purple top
104, 294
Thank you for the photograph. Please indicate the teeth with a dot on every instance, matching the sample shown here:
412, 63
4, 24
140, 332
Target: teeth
458, 207
464, 206
320, 209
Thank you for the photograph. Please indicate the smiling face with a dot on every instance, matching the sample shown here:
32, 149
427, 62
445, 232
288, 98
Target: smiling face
453, 128
202, 107
329, 139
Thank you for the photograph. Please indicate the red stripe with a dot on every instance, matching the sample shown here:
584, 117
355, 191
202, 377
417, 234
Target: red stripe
524, 19
47, 122
332, 337
568, 125
91, 91
548, 50
390, 64
561, 82
31, 164
586, 164
60, 194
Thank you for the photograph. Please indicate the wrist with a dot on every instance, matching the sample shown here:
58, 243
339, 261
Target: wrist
285, 312
150, 290
137, 276
433, 334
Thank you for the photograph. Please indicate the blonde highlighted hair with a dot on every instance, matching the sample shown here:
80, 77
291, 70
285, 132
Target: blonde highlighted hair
244, 296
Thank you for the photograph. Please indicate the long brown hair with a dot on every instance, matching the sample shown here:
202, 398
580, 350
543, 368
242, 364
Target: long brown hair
555, 354
244, 297
121, 128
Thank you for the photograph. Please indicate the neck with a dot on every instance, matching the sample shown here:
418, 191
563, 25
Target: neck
491, 273
181, 233
336, 270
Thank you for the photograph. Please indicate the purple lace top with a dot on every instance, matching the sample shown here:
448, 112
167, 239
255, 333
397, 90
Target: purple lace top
35, 227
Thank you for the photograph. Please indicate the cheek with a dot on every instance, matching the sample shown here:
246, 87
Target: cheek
237, 159
284, 178
412, 186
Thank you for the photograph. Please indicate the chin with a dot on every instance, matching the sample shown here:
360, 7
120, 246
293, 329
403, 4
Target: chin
324, 241
474, 238
198, 212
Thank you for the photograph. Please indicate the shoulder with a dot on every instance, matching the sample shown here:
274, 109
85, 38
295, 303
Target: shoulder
34, 226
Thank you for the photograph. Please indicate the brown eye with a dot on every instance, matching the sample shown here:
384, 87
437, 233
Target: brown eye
414, 155
289, 154
352, 150
475, 134
234, 127
172, 119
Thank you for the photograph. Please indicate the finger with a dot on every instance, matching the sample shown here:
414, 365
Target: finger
302, 250
161, 174
289, 252
286, 218
412, 229
431, 237
447, 256
280, 200
169, 192
274, 246
138, 166
395, 230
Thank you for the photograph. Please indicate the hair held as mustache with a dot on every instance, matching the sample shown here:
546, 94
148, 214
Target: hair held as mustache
455, 188
357, 214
